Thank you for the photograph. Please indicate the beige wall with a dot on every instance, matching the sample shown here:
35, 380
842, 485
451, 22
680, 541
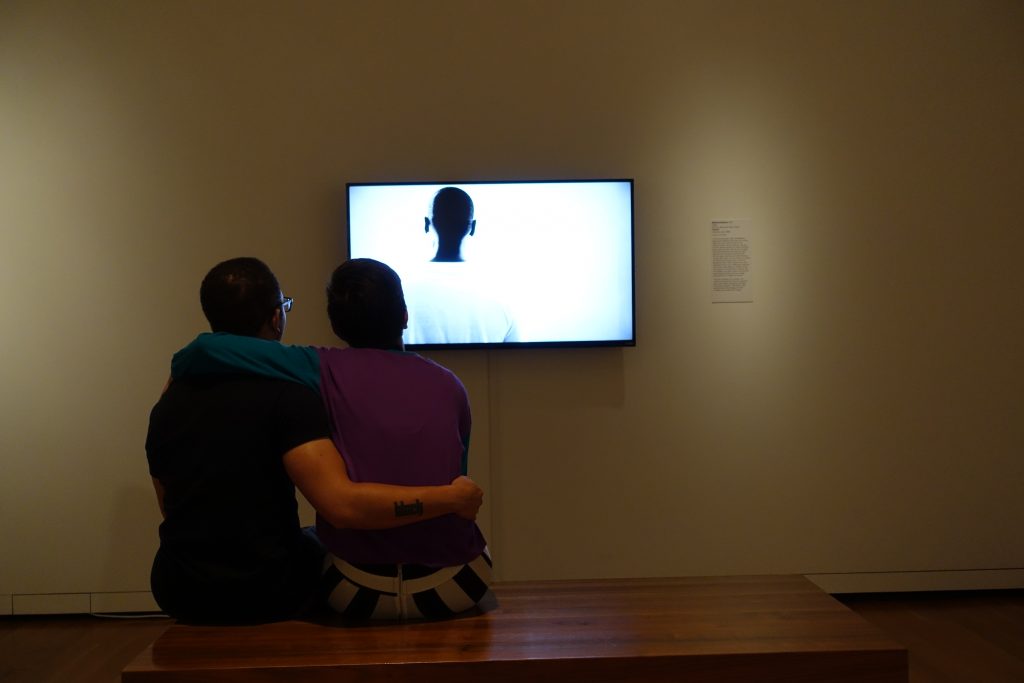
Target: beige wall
862, 415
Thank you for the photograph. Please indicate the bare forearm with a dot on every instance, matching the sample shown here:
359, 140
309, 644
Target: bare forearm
382, 506
319, 472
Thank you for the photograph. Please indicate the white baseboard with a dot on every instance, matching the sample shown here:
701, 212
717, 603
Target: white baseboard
906, 582
78, 603
865, 582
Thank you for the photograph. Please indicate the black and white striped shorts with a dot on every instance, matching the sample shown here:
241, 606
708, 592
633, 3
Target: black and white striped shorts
405, 591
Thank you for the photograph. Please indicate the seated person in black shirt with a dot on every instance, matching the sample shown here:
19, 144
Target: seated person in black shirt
226, 452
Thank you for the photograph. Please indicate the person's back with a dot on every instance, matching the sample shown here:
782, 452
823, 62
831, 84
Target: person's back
398, 418
231, 548
451, 303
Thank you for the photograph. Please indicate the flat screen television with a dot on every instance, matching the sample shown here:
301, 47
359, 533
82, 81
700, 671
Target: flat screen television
504, 263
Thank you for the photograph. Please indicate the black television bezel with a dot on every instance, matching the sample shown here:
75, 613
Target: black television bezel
567, 344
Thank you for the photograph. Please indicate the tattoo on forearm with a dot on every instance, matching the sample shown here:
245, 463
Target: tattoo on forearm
403, 510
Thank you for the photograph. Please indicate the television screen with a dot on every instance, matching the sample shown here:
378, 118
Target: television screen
533, 263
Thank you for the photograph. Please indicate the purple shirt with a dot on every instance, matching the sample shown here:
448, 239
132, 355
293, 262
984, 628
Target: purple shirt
398, 418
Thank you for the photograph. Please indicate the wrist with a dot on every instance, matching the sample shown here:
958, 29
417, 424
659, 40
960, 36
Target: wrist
450, 499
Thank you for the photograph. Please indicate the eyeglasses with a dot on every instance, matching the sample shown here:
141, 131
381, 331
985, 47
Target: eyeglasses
286, 304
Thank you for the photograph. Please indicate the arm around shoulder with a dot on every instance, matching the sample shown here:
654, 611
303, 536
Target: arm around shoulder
220, 352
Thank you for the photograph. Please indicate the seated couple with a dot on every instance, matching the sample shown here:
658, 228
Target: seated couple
246, 419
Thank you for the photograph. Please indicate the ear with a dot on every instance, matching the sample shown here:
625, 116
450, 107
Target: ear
276, 323
472, 227
426, 224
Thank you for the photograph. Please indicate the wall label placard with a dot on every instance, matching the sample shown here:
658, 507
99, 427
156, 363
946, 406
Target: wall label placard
731, 261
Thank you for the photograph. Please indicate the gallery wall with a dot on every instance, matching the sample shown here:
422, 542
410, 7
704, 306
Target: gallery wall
859, 421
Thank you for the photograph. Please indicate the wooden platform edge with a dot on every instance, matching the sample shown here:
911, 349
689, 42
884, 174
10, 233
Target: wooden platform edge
613, 631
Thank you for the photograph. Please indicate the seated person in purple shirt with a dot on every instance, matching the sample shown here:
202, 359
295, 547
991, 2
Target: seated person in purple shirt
397, 418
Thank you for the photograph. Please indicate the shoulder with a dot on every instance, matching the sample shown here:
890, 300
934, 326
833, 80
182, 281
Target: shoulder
237, 404
240, 388
434, 371
333, 354
289, 393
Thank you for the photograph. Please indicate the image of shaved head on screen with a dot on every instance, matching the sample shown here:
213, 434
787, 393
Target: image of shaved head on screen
452, 220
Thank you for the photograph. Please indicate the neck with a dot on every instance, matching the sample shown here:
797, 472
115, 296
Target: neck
449, 253
268, 332
397, 346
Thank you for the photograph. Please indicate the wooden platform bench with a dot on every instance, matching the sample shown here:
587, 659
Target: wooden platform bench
758, 628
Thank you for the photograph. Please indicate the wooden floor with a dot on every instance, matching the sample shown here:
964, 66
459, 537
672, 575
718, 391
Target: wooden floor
962, 637
82, 649
955, 637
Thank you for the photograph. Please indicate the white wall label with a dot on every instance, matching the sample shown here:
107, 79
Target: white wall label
731, 262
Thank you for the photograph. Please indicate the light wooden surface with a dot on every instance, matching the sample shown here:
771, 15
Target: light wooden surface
780, 628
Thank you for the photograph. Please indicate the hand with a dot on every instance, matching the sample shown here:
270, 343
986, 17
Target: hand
468, 497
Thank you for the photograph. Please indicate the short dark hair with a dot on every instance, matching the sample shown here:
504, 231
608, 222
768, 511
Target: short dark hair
452, 206
366, 305
239, 295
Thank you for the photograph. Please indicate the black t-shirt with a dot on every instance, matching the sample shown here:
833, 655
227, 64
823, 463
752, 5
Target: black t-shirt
230, 547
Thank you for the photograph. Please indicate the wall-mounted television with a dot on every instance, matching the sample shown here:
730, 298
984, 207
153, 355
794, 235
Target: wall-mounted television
504, 263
